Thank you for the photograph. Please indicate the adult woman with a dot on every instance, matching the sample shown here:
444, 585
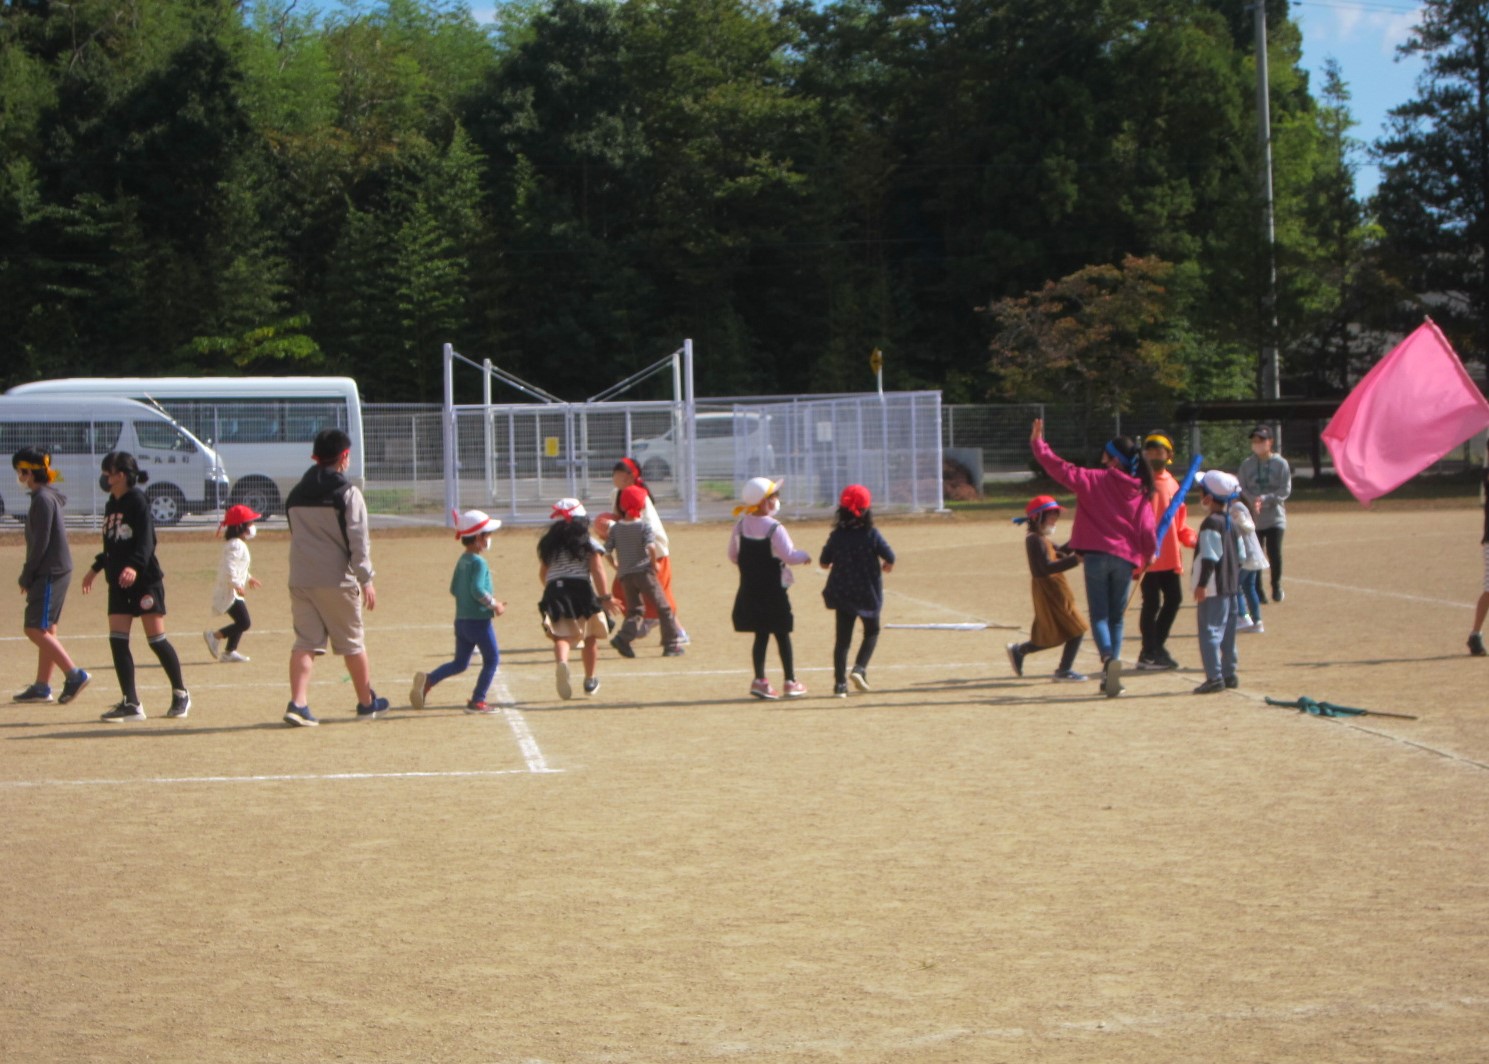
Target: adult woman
1114, 532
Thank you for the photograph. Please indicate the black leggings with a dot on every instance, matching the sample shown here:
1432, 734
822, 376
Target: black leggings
1067, 659
783, 644
238, 611
845, 640
1271, 539
1162, 594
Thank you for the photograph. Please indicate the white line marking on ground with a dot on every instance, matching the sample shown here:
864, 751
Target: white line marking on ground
304, 778
1383, 594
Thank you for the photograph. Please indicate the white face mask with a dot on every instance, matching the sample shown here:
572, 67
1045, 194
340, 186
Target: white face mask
250, 532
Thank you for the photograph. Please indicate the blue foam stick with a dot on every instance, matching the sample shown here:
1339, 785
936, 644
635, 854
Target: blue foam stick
1178, 499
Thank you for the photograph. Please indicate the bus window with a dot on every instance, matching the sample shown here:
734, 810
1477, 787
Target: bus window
162, 436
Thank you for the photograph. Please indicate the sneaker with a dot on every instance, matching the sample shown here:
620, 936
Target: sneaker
73, 686
124, 711
1277, 595
1148, 663
1210, 687
1475, 645
839, 690
232, 657
762, 689
419, 689
621, 647
1255, 629
591, 684
180, 704
561, 680
374, 709
214, 645
475, 705
1166, 659
682, 637
676, 650
1069, 676
795, 690
1247, 625
37, 692
1232, 682
1015, 658
1111, 677
299, 716
859, 677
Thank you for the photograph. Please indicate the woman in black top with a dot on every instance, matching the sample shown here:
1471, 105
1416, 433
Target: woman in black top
136, 585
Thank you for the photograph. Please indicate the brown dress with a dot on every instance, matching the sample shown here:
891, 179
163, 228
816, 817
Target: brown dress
1056, 619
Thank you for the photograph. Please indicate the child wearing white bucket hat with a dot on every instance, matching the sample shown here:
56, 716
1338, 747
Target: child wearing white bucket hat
1217, 579
762, 548
475, 605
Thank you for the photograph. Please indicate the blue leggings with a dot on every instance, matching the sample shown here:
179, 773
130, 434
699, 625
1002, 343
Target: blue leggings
471, 636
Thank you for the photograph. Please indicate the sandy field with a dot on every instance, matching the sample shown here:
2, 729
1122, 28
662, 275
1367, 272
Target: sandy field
959, 865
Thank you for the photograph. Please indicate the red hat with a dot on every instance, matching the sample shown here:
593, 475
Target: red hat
1037, 505
238, 514
633, 500
856, 499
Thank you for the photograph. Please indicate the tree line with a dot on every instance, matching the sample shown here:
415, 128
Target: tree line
1031, 199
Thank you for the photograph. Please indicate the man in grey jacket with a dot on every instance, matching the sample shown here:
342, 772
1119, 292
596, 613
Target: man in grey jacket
330, 577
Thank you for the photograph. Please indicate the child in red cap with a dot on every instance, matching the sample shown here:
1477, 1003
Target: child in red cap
233, 581
1056, 620
634, 549
854, 555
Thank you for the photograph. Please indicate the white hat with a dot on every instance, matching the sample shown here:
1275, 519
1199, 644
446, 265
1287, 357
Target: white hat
1220, 484
568, 509
758, 489
473, 523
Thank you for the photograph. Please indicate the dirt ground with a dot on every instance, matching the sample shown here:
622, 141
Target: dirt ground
958, 866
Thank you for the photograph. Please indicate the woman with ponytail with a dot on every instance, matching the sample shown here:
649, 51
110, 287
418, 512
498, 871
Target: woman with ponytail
1114, 533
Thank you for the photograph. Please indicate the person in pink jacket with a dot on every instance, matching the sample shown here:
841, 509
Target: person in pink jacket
1114, 532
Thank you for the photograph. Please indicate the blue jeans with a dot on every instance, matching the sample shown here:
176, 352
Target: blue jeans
1217, 636
1250, 583
1108, 583
471, 636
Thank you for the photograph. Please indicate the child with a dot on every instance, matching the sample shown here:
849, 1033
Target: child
762, 549
626, 474
1114, 532
574, 599
1481, 608
631, 542
1056, 620
1267, 480
233, 579
1216, 579
475, 605
45, 576
1253, 564
136, 586
854, 554
1162, 586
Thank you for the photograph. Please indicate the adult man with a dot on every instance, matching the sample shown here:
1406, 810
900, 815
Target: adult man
330, 577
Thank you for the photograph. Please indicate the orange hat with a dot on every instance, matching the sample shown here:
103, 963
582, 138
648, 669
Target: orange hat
1037, 505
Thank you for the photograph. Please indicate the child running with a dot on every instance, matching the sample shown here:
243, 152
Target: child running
233, 581
631, 542
1056, 620
854, 555
45, 576
1114, 533
136, 586
1216, 581
575, 598
762, 548
475, 605
627, 474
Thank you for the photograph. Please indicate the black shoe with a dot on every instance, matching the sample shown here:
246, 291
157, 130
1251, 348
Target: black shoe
374, 709
839, 690
1148, 663
1476, 644
124, 711
180, 704
1015, 658
860, 677
1277, 595
1232, 682
1210, 687
73, 686
622, 647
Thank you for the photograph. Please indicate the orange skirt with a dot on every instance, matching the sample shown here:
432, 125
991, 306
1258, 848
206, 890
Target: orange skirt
664, 577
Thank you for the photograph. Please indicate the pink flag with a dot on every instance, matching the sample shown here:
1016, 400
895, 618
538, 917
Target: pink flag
1414, 406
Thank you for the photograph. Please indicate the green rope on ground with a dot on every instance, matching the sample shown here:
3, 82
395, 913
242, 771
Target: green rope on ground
1304, 704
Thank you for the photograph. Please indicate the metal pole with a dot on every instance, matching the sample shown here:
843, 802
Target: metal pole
1271, 370
489, 440
690, 408
452, 470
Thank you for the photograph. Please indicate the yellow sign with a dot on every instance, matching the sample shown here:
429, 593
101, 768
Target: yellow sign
876, 360
550, 446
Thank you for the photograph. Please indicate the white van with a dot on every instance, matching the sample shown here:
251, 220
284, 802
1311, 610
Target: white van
262, 426
720, 452
186, 476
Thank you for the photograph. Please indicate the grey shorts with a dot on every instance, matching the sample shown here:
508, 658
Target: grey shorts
44, 599
327, 614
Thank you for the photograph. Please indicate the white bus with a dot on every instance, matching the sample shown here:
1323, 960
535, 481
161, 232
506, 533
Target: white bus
262, 426
186, 476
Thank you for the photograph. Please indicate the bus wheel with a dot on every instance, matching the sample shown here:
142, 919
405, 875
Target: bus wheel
167, 504
258, 494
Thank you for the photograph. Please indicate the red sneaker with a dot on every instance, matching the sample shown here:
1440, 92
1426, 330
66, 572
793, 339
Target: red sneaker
762, 689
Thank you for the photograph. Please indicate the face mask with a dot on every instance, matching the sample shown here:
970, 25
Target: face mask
250, 532
23, 480
103, 482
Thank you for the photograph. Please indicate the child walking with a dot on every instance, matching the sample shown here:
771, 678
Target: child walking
634, 547
575, 598
627, 474
1162, 584
45, 576
855, 555
475, 605
762, 548
136, 586
1253, 564
1056, 619
233, 580
1217, 569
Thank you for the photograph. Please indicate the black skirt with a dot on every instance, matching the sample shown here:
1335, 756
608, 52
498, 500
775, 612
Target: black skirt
761, 605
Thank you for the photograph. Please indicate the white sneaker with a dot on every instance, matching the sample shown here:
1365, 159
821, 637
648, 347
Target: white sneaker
1253, 629
214, 645
419, 689
232, 656
561, 680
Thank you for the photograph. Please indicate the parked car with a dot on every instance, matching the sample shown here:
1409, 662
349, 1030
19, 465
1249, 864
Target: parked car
721, 451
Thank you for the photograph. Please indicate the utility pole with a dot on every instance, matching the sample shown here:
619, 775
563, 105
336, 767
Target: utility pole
1271, 376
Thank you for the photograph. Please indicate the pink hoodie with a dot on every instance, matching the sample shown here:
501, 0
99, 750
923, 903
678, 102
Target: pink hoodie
1112, 515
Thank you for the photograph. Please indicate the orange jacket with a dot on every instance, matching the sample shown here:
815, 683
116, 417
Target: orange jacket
1179, 533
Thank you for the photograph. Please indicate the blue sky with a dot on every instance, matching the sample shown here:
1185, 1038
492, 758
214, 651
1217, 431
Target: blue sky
1361, 34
